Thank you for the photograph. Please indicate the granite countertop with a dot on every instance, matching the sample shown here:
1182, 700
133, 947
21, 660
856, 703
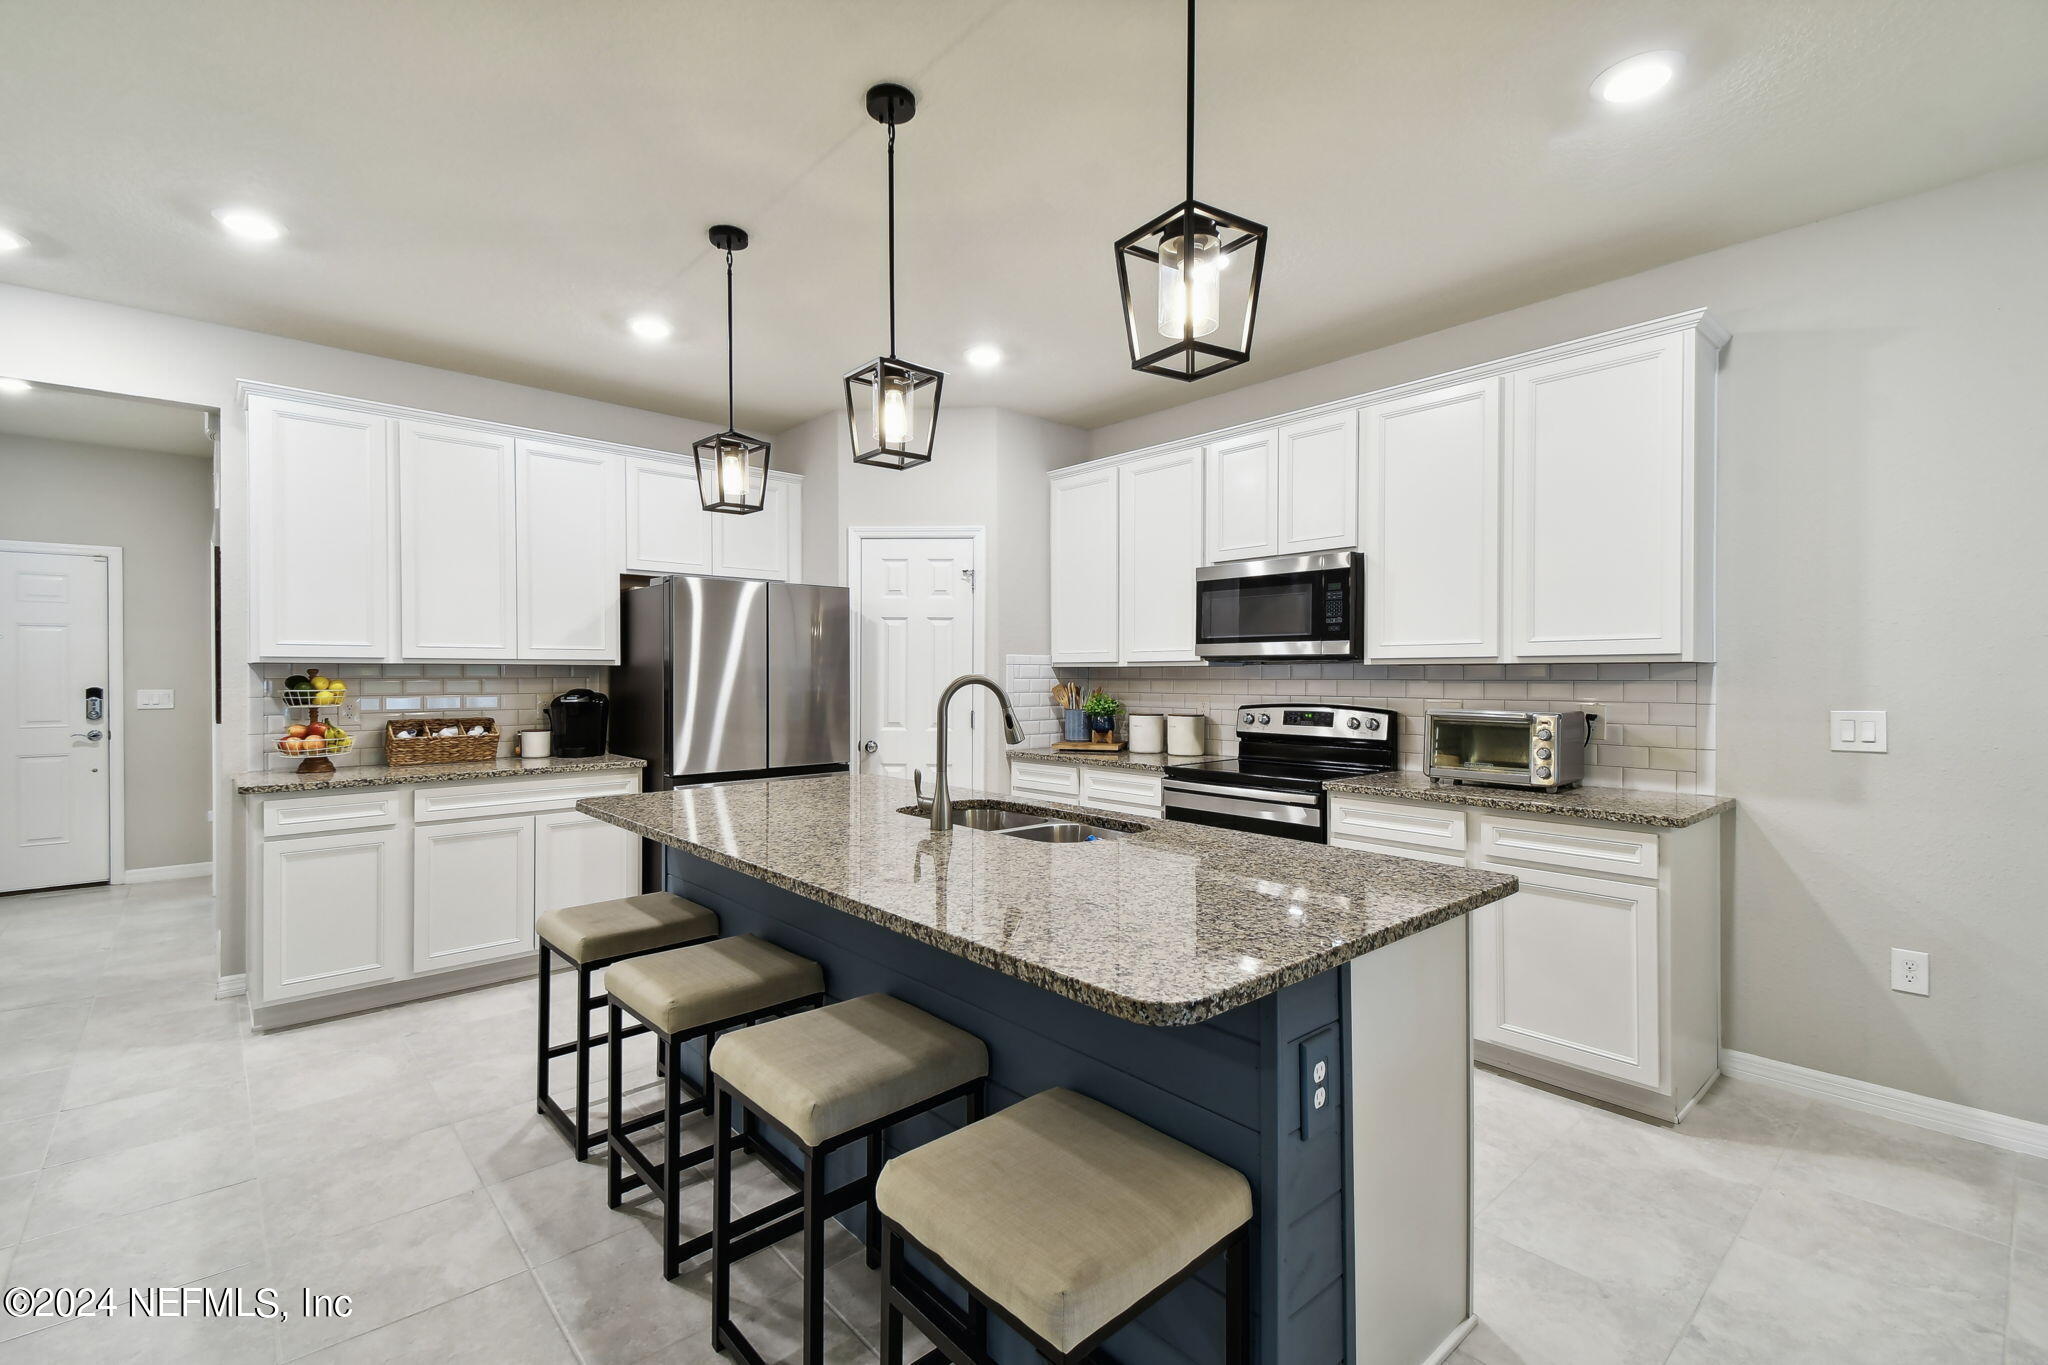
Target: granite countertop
1172, 924
413, 774
1615, 805
1106, 758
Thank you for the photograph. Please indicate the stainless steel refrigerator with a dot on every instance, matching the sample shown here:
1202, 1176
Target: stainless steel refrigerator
725, 678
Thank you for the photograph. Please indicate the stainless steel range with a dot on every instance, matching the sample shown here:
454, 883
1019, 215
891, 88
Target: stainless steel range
1286, 751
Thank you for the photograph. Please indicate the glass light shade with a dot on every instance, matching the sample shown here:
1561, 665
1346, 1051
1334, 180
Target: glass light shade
732, 472
1190, 278
892, 412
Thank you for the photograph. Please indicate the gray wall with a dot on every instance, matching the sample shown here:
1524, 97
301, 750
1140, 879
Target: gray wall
1884, 471
159, 509
91, 345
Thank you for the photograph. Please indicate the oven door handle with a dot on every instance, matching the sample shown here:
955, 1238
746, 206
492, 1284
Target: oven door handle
1253, 793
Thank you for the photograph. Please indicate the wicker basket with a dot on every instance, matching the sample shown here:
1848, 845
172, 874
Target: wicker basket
440, 748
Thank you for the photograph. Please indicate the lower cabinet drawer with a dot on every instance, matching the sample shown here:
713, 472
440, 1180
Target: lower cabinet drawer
1045, 779
513, 796
1138, 793
1581, 848
1436, 828
330, 812
1420, 855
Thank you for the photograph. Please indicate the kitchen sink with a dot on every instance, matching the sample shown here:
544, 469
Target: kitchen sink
1044, 829
990, 817
1065, 832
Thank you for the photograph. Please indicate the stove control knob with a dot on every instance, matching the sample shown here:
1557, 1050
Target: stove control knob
1544, 753
1265, 719
1543, 732
1355, 723
1543, 774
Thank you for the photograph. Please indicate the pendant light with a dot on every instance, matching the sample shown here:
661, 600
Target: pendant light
732, 468
892, 406
1203, 266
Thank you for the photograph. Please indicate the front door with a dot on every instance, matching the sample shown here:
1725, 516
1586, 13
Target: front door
53, 652
916, 635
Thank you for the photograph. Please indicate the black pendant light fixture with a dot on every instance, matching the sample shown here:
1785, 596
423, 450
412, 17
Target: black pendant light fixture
1203, 266
732, 468
892, 406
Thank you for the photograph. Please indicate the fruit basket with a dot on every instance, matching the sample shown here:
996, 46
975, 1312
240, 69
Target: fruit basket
317, 750
426, 745
305, 692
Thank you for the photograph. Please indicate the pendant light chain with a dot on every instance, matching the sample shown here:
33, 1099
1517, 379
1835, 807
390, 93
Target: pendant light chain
1191, 102
892, 239
729, 424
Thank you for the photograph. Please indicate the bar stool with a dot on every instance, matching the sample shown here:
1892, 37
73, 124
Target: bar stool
590, 938
682, 995
1064, 1217
826, 1079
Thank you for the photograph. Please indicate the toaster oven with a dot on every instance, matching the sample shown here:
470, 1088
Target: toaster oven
1539, 749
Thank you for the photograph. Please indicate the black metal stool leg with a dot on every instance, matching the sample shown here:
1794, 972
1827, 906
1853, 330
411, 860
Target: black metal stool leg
540, 1090
671, 1162
814, 1258
874, 1214
585, 1139
721, 1217
892, 1317
1237, 1300
614, 1094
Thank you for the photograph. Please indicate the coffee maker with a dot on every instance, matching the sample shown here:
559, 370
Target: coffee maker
580, 722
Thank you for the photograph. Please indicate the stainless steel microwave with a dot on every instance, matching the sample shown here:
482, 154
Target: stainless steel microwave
1509, 748
1297, 606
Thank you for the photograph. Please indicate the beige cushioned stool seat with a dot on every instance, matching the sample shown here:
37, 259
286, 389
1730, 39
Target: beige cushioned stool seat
1064, 1211
835, 1069
634, 924
686, 988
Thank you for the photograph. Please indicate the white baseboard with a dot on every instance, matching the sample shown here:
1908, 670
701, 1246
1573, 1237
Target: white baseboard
174, 872
238, 984
1450, 1344
1979, 1125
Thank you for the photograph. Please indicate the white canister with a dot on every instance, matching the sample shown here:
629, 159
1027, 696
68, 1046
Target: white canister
1184, 735
1148, 733
536, 743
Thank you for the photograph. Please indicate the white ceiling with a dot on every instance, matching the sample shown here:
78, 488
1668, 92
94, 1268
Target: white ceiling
495, 185
103, 419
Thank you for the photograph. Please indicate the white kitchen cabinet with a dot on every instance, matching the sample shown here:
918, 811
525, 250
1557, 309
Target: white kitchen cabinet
1610, 500
1317, 485
334, 910
320, 528
1430, 517
473, 891
1242, 498
1566, 969
1159, 547
667, 529
458, 566
1084, 554
578, 860
569, 502
763, 544
1127, 791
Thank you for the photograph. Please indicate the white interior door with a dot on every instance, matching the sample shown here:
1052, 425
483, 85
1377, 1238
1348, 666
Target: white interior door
916, 635
56, 798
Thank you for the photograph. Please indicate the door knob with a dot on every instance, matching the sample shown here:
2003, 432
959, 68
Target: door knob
94, 735
869, 746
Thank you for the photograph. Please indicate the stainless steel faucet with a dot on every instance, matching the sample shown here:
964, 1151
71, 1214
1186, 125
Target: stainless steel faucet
942, 794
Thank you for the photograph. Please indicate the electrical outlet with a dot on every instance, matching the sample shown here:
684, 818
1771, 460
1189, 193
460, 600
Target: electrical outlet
1909, 971
1318, 1060
1857, 732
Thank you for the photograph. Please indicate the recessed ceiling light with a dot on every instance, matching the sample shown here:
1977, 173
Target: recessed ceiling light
249, 225
648, 327
1638, 78
11, 241
11, 387
984, 356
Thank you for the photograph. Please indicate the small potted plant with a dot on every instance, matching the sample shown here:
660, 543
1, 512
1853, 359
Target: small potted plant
1102, 710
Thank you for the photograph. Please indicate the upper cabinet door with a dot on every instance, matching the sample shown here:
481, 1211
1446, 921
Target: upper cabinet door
760, 544
1601, 494
667, 529
459, 576
1431, 517
569, 508
1085, 595
1242, 498
1319, 484
320, 532
1160, 547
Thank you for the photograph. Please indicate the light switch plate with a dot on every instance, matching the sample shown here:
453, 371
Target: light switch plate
1857, 732
155, 698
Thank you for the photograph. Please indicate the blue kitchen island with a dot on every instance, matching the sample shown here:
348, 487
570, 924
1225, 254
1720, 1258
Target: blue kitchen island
1296, 1011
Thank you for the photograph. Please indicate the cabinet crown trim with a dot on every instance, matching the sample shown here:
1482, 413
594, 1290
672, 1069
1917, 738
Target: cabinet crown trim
1699, 320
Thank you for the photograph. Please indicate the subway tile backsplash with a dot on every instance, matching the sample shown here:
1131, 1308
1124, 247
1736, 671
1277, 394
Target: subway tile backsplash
1655, 730
512, 693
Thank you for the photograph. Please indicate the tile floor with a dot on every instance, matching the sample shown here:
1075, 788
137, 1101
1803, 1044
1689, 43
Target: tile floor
146, 1138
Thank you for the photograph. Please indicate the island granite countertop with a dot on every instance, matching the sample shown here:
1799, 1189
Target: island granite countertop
412, 774
1172, 924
